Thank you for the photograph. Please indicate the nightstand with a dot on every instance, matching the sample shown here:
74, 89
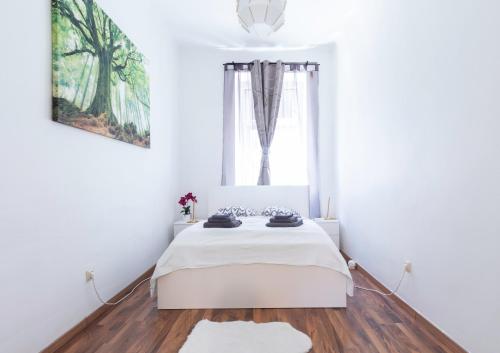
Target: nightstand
181, 224
331, 227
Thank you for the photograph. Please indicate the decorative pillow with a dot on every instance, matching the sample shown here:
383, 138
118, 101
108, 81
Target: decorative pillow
278, 211
238, 211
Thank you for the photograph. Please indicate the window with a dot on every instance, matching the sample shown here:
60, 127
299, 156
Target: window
288, 153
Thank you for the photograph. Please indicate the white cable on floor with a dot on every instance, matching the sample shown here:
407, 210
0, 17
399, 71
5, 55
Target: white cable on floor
382, 293
147, 279
122, 299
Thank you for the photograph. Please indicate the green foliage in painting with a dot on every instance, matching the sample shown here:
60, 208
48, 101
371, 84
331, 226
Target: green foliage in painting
100, 82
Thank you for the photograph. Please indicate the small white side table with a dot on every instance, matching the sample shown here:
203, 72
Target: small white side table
181, 224
331, 227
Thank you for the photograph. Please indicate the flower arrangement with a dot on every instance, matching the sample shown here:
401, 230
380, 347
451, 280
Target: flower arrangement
184, 202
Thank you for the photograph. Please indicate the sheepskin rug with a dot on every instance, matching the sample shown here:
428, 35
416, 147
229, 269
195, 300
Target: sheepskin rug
245, 337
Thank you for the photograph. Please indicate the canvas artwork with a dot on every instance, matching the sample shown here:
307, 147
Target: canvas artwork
100, 83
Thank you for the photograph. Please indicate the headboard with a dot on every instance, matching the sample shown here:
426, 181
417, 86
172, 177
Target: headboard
260, 197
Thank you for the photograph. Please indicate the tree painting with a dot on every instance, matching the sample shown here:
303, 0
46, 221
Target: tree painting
99, 83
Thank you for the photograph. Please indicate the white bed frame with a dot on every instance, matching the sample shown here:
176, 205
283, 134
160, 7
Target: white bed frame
256, 285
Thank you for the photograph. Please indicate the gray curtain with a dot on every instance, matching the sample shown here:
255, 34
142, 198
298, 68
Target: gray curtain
228, 173
312, 138
267, 82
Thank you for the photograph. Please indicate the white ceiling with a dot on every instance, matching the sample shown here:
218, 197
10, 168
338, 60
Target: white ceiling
215, 23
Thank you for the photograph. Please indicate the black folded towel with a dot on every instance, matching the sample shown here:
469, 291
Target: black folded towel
298, 223
284, 220
284, 216
222, 216
232, 224
225, 219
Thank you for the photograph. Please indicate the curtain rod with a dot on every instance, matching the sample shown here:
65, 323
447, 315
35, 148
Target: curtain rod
284, 63
293, 65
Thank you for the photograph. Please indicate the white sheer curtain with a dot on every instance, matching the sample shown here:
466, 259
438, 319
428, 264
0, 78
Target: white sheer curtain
288, 154
288, 157
247, 146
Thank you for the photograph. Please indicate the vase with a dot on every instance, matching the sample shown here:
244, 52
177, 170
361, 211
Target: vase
186, 217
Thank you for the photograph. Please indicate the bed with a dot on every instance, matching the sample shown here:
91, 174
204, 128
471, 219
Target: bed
252, 266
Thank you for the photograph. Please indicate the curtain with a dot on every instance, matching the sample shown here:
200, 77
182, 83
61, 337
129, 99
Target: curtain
267, 82
288, 156
228, 156
312, 91
247, 145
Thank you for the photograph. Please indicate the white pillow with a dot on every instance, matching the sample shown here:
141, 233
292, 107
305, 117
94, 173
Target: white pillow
238, 211
272, 211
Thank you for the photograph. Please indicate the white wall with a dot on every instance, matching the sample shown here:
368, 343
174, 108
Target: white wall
201, 85
419, 162
72, 200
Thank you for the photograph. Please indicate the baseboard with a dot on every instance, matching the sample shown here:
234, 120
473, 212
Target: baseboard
82, 325
435, 331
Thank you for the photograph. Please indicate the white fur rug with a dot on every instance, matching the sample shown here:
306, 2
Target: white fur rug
245, 337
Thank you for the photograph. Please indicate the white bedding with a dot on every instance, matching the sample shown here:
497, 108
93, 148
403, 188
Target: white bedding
251, 243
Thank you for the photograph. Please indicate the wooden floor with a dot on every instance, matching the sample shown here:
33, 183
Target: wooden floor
370, 323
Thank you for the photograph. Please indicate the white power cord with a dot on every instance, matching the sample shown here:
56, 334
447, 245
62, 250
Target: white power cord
122, 299
382, 293
394, 291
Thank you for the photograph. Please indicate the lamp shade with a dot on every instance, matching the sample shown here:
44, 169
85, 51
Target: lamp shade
261, 17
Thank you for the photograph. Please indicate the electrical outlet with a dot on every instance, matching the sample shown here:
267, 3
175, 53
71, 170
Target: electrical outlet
408, 266
89, 275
